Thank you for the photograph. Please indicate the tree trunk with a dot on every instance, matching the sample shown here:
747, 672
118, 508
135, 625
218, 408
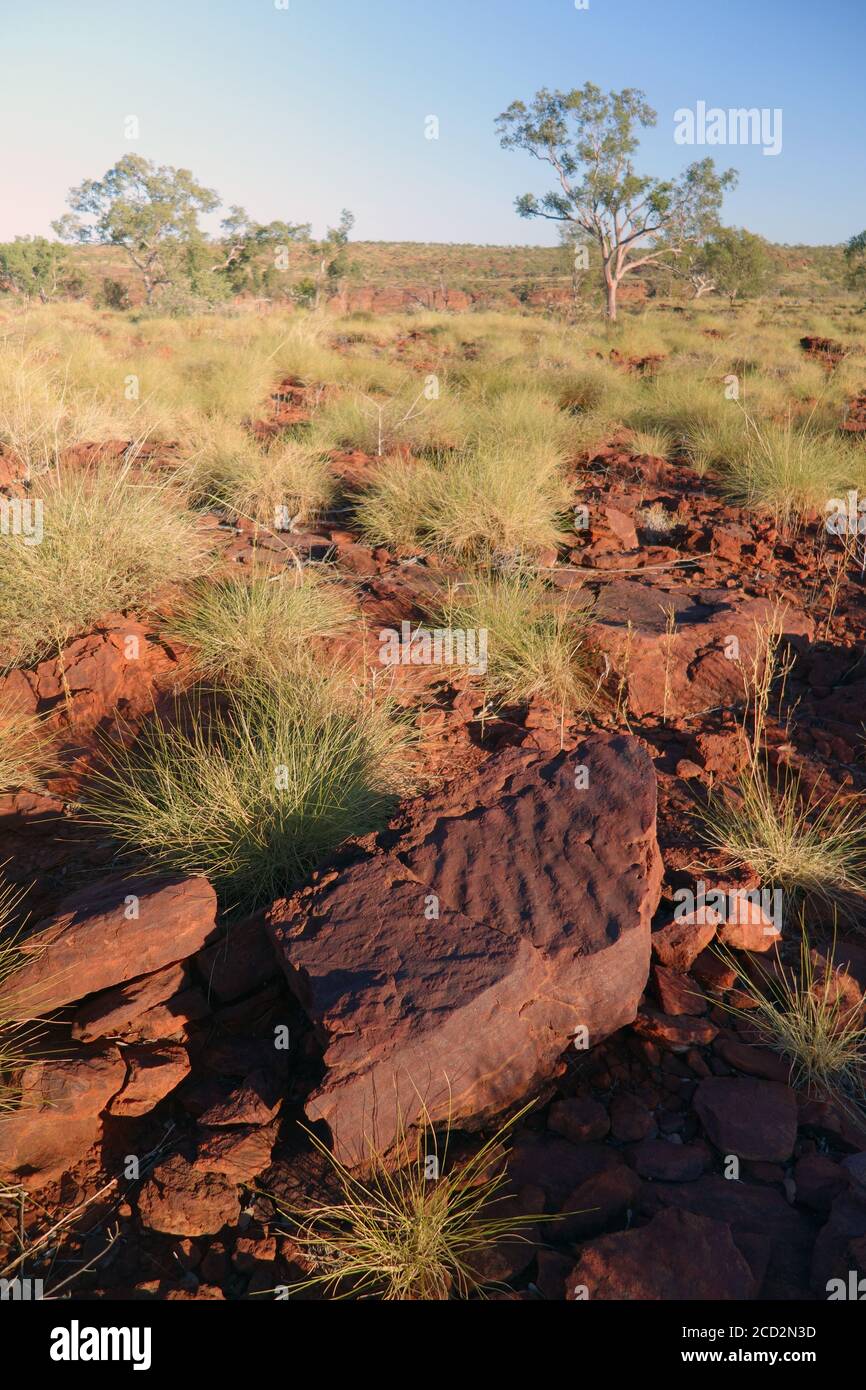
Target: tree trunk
612, 288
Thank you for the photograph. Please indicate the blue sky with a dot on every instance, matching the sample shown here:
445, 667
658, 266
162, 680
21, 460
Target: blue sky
298, 112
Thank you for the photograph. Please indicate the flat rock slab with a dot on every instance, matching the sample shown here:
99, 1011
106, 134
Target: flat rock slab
449, 966
106, 934
753, 1119
179, 1200
153, 1073
677, 1256
59, 1114
673, 648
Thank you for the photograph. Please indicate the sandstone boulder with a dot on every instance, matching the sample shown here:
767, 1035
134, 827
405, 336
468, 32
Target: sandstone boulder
677, 1256
452, 964
673, 649
58, 1116
106, 934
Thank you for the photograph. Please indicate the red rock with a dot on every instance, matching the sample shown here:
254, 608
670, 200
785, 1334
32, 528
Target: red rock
677, 1032
254, 1103
684, 669
598, 1202
544, 892
59, 1115
714, 973
250, 1253
579, 1119
723, 754
241, 962
755, 1061
91, 945
180, 1200
677, 994
667, 1162
17, 694
747, 927
819, 1181
832, 1256
239, 1154
680, 943
357, 559
629, 1118
111, 1012
677, 1256
553, 1268
543, 1162
503, 1261
749, 1118
688, 770
153, 1073
622, 527
855, 1167
170, 1019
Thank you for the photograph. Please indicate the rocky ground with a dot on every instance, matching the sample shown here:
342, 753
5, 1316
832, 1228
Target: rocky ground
164, 1124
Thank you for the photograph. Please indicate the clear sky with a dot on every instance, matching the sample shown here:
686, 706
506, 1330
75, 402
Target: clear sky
300, 111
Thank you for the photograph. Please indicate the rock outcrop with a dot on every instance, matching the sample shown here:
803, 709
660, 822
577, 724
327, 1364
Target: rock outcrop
680, 653
449, 966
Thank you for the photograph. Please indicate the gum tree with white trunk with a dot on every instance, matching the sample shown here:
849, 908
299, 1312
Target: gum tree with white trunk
588, 138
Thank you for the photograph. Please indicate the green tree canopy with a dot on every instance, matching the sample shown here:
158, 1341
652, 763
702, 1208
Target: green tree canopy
35, 266
735, 262
855, 260
588, 138
151, 211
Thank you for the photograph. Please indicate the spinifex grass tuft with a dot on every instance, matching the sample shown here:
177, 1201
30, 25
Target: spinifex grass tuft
402, 1234
536, 639
789, 470
17, 1039
282, 485
235, 626
810, 848
485, 500
111, 538
256, 788
26, 752
804, 1015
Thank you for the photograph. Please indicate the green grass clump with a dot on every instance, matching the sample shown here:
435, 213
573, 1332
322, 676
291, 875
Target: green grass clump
255, 789
803, 1014
26, 752
286, 481
788, 470
235, 626
809, 848
112, 537
402, 1234
17, 1039
483, 503
536, 640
